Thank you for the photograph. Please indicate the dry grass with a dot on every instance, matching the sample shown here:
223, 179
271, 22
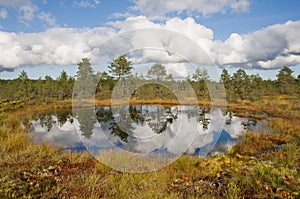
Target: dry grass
254, 168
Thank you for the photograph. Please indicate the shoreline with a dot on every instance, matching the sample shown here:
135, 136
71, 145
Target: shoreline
275, 108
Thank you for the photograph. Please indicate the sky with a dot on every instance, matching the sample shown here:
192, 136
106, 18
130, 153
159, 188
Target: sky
44, 37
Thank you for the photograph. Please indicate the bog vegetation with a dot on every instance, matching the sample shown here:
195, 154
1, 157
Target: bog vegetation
261, 165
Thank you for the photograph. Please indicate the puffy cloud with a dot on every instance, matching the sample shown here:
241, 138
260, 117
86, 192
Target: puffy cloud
173, 42
133, 23
177, 69
271, 47
189, 28
154, 8
3, 13
57, 46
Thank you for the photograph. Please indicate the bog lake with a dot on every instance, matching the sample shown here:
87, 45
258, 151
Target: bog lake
144, 129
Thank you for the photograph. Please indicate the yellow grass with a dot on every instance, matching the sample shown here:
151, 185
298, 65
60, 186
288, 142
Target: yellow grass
254, 168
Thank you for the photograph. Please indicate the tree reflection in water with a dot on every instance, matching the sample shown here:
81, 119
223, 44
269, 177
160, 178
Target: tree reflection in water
158, 118
136, 126
121, 123
87, 120
47, 119
247, 123
201, 114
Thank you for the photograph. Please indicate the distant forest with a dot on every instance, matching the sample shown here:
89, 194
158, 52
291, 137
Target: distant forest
238, 86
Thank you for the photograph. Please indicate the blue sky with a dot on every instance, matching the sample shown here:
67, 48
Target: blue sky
45, 37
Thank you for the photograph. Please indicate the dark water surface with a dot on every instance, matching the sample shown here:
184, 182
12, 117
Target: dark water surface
143, 129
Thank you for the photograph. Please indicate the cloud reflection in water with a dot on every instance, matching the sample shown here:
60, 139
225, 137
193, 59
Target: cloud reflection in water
181, 124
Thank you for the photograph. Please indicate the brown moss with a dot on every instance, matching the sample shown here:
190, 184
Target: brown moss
255, 144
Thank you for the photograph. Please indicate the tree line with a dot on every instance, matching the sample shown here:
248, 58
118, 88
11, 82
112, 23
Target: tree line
42, 90
242, 86
238, 86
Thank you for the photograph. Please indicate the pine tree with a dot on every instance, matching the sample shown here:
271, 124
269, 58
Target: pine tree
226, 80
24, 86
157, 71
120, 67
85, 85
241, 84
201, 77
285, 80
62, 85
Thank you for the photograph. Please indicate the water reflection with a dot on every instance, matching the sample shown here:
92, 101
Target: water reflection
142, 129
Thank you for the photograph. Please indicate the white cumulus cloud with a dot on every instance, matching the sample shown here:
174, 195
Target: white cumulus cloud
174, 41
56, 46
171, 43
272, 47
